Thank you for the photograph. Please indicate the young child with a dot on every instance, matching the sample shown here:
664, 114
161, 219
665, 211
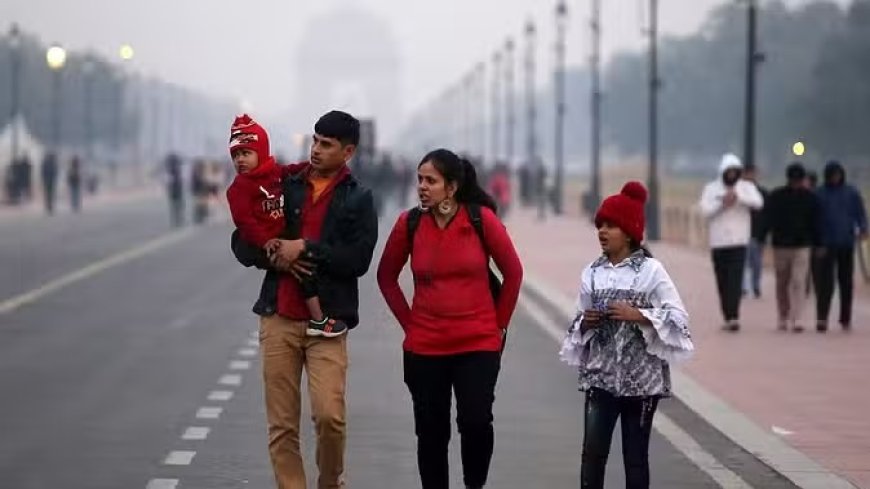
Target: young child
256, 203
630, 324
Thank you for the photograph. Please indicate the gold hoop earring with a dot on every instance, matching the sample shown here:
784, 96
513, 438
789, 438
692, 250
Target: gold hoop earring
446, 206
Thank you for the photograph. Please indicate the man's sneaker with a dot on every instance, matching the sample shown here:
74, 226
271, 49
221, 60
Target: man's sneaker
330, 328
822, 326
782, 326
797, 328
846, 326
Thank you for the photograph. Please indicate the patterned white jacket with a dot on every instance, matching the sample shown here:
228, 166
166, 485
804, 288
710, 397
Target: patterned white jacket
623, 358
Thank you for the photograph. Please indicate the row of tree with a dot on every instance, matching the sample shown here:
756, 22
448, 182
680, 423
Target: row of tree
104, 106
813, 87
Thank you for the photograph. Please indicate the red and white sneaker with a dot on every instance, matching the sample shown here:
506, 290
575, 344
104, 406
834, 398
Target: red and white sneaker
329, 328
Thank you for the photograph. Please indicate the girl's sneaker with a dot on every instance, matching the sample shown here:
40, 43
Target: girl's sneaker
329, 328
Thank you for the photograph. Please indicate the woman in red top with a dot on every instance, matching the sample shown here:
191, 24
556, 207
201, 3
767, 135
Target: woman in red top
453, 327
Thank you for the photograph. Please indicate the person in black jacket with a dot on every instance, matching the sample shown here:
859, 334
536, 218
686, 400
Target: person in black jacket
335, 215
791, 217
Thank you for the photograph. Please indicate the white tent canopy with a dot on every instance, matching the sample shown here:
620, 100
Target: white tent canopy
27, 143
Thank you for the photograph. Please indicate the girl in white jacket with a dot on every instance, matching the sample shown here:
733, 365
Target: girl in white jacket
630, 324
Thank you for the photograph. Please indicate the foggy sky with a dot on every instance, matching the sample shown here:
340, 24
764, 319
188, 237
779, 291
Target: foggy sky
246, 50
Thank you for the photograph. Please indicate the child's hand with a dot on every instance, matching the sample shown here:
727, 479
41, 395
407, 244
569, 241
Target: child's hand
592, 318
271, 246
623, 311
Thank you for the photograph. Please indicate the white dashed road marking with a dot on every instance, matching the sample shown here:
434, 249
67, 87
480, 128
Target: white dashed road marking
240, 365
162, 484
196, 433
220, 395
231, 379
179, 457
209, 412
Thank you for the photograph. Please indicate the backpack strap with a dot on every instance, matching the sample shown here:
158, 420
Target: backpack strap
413, 222
477, 222
415, 214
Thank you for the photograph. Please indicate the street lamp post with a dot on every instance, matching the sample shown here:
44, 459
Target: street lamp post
595, 61
56, 59
87, 74
126, 54
654, 205
15, 73
494, 110
480, 92
753, 57
559, 86
531, 107
509, 100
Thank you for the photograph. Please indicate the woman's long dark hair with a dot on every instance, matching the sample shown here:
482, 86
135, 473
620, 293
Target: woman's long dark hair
462, 172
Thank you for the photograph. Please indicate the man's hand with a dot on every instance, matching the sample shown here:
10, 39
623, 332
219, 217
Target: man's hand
286, 253
623, 311
301, 269
729, 199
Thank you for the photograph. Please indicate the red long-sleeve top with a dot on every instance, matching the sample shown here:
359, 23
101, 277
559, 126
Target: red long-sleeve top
452, 310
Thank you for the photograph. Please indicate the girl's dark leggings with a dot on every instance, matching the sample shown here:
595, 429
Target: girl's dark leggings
601, 413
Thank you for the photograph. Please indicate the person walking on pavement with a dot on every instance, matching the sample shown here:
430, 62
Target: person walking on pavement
175, 189
843, 217
755, 250
200, 192
49, 181
74, 183
257, 209
630, 325
791, 218
454, 326
812, 183
336, 218
26, 179
727, 203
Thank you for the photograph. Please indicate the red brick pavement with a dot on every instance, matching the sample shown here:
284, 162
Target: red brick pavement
812, 385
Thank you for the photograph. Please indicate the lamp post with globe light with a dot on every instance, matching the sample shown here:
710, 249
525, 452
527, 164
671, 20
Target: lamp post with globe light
55, 57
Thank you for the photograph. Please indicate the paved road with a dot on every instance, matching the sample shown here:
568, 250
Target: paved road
101, 377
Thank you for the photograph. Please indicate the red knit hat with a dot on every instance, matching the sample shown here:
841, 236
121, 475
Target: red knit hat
625, 210
246, 133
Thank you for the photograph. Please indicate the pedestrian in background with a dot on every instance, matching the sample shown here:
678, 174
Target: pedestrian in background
727, 203
49, 172
843, 218
630, 325
74, 181
755, 250
791, 217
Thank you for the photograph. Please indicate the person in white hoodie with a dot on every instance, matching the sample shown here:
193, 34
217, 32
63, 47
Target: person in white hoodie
727, 203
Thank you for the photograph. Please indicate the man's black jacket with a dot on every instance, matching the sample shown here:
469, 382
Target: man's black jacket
344, 251
791, 216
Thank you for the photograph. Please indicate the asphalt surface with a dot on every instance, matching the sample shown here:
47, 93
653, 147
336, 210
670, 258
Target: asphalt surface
101, 376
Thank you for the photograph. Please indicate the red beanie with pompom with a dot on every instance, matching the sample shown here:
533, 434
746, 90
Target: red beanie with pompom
625, 210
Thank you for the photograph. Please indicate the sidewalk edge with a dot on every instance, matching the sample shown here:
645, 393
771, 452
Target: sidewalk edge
783, 458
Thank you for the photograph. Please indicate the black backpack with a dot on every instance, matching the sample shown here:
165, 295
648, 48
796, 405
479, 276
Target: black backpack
414, 216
